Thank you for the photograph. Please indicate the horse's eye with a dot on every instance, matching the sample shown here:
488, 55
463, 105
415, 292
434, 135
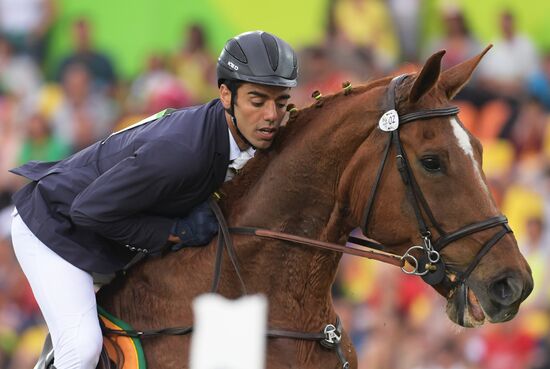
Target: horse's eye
431, 163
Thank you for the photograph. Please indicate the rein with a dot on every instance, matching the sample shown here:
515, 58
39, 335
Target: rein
429, 265
332, 333
357, 249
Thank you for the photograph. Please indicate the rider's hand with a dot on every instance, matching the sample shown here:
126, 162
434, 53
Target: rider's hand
196, 229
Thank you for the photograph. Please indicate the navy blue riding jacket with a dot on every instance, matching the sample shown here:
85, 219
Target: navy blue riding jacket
120, 196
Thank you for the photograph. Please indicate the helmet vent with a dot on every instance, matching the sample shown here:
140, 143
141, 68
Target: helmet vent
272, 50
235, 50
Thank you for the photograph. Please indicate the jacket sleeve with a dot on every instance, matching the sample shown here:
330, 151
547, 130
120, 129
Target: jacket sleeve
115, 204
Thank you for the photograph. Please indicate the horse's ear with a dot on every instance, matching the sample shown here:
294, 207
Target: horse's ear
427, 77
453, 79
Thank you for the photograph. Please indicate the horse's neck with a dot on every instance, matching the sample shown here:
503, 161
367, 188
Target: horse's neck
299, 179
296, 194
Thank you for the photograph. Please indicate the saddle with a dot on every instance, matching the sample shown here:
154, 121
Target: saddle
119, 352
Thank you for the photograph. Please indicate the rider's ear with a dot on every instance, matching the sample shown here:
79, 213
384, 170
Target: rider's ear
225, 96
427, 78
453, 79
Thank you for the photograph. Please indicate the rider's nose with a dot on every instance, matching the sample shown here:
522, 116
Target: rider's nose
270, 112
506, 291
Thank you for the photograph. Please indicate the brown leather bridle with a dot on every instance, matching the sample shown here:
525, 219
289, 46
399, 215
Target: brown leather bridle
429, 265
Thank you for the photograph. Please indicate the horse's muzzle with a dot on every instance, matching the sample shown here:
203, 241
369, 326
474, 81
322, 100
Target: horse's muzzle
505, 294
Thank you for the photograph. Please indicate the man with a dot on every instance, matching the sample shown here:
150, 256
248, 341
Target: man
139, 190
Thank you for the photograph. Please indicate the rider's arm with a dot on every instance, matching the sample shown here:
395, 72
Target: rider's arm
115, 204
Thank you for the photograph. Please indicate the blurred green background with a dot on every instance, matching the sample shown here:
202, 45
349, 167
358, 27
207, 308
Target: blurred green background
129, 30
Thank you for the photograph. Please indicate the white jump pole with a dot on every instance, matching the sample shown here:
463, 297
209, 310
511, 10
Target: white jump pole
229, 334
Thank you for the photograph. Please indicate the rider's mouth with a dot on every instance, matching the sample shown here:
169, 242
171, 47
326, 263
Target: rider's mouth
267, 132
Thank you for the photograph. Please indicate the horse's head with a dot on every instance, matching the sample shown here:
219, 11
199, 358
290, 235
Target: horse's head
431, 191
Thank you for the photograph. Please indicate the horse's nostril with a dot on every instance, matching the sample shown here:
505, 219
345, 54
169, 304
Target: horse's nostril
505, 291
502, 289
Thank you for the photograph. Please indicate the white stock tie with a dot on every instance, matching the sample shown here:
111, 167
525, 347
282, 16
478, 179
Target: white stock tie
238, 163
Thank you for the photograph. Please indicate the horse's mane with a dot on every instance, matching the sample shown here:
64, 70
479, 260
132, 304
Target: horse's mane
241, 183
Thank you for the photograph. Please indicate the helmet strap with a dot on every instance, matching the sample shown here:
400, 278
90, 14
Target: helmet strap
231, 112
234, 120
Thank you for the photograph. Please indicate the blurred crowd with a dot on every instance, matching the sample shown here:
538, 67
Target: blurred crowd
395, 321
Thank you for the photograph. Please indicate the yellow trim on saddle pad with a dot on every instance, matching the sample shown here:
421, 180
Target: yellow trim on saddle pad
134, 357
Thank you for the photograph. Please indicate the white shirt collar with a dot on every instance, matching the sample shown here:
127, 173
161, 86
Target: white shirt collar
234, 150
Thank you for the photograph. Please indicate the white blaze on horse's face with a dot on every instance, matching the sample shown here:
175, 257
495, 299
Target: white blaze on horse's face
464, 143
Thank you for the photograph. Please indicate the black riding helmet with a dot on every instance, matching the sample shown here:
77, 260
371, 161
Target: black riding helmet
256, 57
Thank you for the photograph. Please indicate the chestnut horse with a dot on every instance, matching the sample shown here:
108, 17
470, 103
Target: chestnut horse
337, 166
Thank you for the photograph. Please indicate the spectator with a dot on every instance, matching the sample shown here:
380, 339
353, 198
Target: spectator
84, 115
367, 24
27, 24
528, 131
19, 75
538, 85
457, 40
9, 147
504, 72
157, 89
541, 357
318, 73
406, 17
537, 252
513, 59
447, 355
18, 311
195, 66
40, 144
506, 346
98, 64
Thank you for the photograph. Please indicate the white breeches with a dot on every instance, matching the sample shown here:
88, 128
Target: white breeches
66, 298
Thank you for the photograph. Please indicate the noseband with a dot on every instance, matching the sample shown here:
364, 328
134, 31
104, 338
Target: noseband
429, 265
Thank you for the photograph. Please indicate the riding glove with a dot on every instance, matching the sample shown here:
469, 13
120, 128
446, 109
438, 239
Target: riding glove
197, 228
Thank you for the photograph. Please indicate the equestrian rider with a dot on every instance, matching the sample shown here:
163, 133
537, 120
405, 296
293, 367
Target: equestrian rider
142, 190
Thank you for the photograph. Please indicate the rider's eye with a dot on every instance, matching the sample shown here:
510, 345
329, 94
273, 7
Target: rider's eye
431, 163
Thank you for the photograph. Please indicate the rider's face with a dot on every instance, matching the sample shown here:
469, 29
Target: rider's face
259, 110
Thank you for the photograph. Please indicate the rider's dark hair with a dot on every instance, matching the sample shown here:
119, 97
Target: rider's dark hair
233, 85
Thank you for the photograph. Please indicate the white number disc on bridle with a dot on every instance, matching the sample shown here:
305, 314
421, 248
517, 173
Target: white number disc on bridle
389, 121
